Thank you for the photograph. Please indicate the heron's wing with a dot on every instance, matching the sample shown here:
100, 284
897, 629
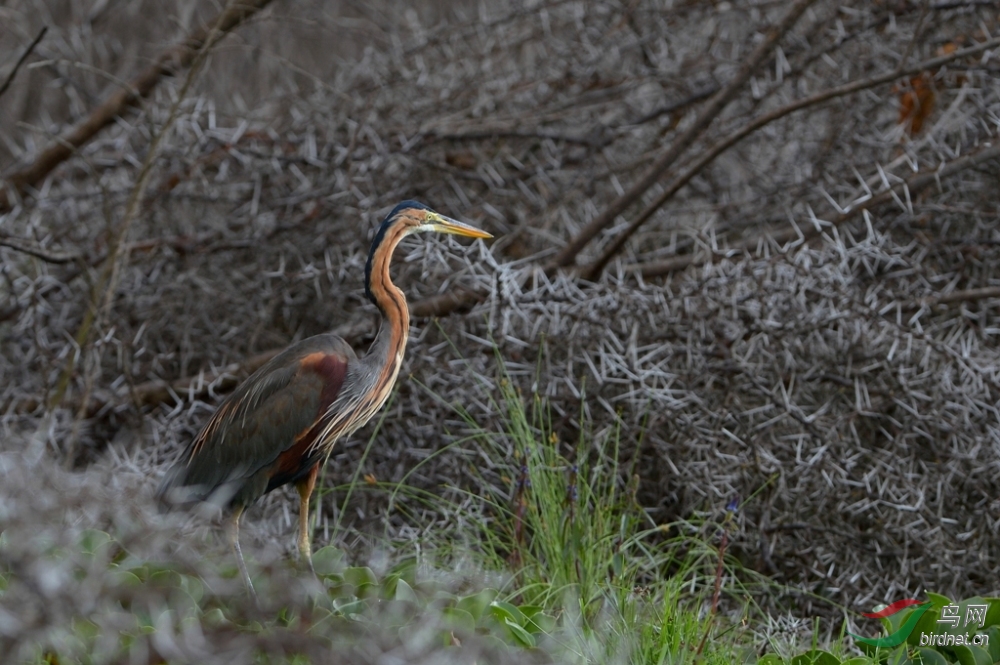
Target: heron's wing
271, 413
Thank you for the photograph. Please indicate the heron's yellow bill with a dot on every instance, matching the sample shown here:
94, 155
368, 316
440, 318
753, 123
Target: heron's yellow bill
443, 224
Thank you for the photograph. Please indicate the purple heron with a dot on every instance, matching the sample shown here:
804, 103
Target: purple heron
281, 424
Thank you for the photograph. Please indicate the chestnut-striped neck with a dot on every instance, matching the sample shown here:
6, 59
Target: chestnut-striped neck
386, 353
378, 282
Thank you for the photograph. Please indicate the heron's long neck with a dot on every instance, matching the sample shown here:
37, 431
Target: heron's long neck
386, 352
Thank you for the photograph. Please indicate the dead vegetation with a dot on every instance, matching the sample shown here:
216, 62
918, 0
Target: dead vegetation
759, 242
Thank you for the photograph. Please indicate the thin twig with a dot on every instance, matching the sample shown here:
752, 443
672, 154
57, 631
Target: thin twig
962, 296
916, 35
20, 61
696, 96
33, 249
594, 139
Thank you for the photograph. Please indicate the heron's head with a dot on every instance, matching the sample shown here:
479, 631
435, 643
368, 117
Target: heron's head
406, 218
413, 217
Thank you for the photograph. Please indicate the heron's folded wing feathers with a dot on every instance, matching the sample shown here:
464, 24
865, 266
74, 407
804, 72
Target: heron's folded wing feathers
261, 420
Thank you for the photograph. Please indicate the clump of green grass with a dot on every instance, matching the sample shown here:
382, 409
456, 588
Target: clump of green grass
564, 523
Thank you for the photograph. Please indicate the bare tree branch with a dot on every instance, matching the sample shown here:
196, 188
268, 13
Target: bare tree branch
168, 62
913, 184
594, 269
158, 392
153, 393
712, 109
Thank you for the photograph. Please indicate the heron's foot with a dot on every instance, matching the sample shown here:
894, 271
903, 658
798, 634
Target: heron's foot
305, 561
234, 541
309, 562
305, 552
245, 574
250, 590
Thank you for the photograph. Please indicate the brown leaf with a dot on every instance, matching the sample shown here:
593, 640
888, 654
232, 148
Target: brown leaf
916, 102
461, 160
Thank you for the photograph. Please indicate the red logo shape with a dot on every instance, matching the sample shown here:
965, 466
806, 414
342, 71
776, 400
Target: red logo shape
892, 609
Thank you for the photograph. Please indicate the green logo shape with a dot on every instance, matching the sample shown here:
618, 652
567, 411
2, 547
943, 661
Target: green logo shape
898, 637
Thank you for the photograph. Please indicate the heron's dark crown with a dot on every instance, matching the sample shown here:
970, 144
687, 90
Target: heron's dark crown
380, 236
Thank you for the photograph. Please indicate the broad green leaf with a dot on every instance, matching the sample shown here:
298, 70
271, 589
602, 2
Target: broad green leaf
770, 659
405, 592
972, 655
477, 603
164, 578
85, 628
993, 634
960, 629
494, 644
396, 613
536, 621
521, 635
193, 586
406, 570
458, 620
895, 621
388, 586
530, 610
928, 624
928, 656
126, 578
975, 600
899, 656
541, 623
858, 660
214, 617
363, 580
328, 561
92, 540
899, 628
993, 613
816, 657
981, 655
352, 607
360, 575
507, 612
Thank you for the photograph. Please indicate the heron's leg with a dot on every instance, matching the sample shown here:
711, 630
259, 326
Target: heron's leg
305, 488
234, 541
